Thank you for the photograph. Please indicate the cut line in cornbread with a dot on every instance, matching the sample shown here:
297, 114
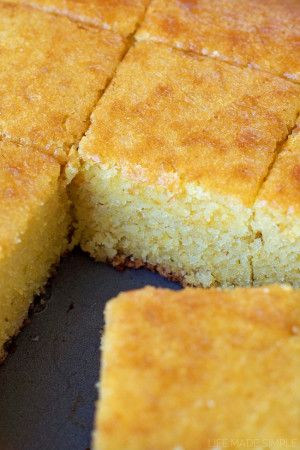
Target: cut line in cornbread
178, 148
260, 34
121, 16
276, 249
200, 369
34, 227
52, 72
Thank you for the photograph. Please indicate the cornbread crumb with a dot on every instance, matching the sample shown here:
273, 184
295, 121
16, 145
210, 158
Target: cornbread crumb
200, 367
178, 148
263, 35
34, 226
276, 224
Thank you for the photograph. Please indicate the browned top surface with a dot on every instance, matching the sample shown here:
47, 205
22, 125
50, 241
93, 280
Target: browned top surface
200, 120
282, 188
27, 179
186, 369
265, 34
122, 16
51, 74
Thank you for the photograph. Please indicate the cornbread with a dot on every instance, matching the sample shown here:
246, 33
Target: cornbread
52, 72
178, 148
200, 369
276, 249
34, 225
261, 34
122, 16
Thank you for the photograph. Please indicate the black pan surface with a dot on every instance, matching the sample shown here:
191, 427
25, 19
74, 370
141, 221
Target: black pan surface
47, 385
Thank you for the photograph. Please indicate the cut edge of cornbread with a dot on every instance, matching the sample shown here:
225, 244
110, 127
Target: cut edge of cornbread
128, 222
194, 366
31, 248
276, 219
139, 205
276, 246
44, 257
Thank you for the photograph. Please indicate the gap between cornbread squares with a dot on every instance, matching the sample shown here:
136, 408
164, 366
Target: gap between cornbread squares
34, 228
120, 16
52, 72
188, 368
276, 224
260, 34
178, 148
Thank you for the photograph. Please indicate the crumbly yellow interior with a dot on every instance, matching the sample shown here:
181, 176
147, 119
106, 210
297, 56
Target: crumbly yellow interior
276, 246
172, 172
34, 227
198, 237
276, 221
27, 267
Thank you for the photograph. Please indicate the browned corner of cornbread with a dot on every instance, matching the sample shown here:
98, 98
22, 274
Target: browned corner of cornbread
200, 369
276, 222
263, 35
121, 16
52, 72
178, 148
34, 229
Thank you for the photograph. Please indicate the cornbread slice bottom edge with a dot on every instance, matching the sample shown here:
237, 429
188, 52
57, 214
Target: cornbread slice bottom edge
29, 264
196, 237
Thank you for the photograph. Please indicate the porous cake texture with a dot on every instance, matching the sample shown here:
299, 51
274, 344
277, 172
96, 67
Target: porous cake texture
52, 73
34, 227
261, 34
178, 148
276, 249
121, 16
200, 369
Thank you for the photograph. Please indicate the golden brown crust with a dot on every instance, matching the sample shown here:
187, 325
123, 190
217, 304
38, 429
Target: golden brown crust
172, 115
281, 191
51, 74
192, 368
262, 34
121, 16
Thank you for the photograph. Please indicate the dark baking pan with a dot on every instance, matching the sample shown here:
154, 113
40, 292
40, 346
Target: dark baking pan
47, 384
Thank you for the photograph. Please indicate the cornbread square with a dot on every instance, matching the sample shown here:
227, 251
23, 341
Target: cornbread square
261, 34
122, 16
276, 249
178, 148
52, 72
34, 226
200, 369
